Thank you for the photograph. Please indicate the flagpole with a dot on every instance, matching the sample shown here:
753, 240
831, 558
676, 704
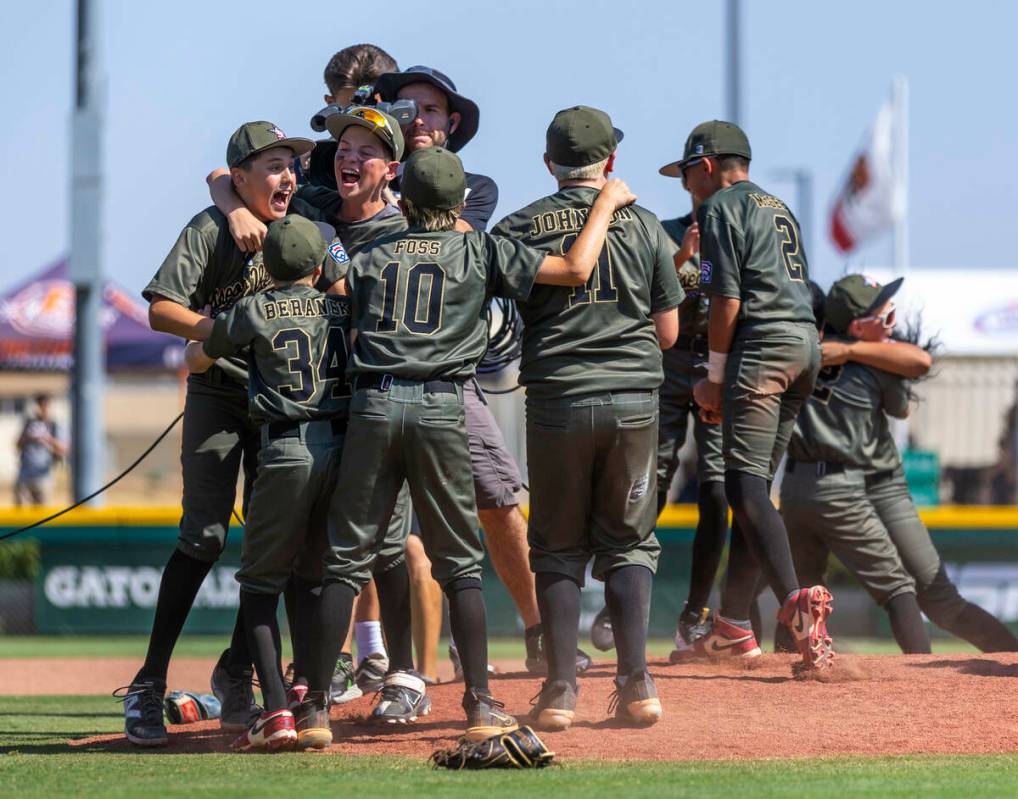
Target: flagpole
899, 100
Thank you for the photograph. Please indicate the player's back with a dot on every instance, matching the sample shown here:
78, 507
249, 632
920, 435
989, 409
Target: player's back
845, 419
420, 298
298, 355
599, 336
751, 250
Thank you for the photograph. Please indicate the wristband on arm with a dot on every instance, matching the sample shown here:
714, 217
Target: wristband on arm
716, 366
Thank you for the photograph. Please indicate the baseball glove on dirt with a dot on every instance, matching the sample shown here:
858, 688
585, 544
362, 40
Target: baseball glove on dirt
518, 749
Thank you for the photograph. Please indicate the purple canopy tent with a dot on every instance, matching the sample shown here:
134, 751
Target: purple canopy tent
37, 328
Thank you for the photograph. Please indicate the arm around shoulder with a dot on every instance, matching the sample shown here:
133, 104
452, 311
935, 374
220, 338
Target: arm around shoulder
897, 357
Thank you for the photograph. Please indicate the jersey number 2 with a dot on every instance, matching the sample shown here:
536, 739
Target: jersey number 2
331, 366
422, 301
790, 248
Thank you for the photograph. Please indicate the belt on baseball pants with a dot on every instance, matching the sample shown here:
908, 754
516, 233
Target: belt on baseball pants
382, 383
292, 429
694, 344
820, 467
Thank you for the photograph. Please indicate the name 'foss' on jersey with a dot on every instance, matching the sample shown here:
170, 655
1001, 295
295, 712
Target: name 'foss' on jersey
751, 250
420, 300
600, 336
298, 352
845, 419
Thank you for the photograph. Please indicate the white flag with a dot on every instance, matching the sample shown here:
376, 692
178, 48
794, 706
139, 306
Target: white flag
871, 199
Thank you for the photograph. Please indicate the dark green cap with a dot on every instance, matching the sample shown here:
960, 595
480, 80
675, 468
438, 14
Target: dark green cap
710, 138
854, 297
433, 178
293, 247
381, 124
581, 136
252, 138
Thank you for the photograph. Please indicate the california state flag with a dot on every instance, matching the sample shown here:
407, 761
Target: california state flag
870, 200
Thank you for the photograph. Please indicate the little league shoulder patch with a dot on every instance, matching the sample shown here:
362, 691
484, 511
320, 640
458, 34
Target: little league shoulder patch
338, 252
706, 270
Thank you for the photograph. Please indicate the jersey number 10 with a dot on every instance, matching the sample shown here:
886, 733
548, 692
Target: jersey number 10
422, 300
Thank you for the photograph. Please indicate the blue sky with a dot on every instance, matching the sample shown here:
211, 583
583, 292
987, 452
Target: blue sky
180, 77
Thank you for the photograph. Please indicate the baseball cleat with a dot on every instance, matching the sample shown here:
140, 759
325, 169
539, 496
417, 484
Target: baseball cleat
635, 699
555, 706
805, 615
143, 712
691, 626
370, 674
601, 634
183, 707
235, 695
722, 640
344, 687
312, 723
272, 731
485, 716
296, 694
457, 665
403, 698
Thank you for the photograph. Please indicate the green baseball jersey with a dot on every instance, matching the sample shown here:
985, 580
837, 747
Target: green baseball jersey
354, 235
206, 270
599, 336
845, 419
298, 352
420, 299
751, 250
693, 310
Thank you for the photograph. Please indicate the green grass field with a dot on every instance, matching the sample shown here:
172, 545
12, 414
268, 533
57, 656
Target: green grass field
36, 760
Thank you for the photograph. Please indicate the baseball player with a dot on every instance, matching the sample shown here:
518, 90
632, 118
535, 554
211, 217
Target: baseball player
592, 365
369, 145
763, 360
295, 338
446, 118
844, 489
418, 331
207, 270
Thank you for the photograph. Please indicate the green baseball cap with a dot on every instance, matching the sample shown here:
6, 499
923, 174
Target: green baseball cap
293, 247
381, 124
252, 138
710, 138
433, 178
854, 297
580, 136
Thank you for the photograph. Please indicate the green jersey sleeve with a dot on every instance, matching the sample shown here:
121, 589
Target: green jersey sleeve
512, 267
232, 332
894, 394
665, 290
720, 245
179, 276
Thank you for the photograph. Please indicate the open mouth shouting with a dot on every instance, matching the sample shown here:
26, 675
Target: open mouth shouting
280, 200
348, 177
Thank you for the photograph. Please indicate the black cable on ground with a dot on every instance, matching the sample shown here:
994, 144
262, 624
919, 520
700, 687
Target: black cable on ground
96, 493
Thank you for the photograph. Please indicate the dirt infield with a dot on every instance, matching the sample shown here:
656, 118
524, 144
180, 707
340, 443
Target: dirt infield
874, 705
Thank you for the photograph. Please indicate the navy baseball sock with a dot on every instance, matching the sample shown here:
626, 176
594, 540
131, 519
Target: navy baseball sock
394, 599
239, 658
306, 597
469, 627
329, 627
907, 624
558, 600
627, 595
740, 585
259, 614
181, 580
763, 531
708, 544
981, 629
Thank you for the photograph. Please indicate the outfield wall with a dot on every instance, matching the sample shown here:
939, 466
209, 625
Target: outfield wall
100, 570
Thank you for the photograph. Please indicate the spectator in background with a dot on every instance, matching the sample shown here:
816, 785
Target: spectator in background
39, 448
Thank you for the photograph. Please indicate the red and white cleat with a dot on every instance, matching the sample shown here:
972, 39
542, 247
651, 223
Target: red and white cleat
722, 640
272, 732
805, 614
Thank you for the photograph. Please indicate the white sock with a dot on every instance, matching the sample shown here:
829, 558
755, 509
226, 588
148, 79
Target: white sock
368, 635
